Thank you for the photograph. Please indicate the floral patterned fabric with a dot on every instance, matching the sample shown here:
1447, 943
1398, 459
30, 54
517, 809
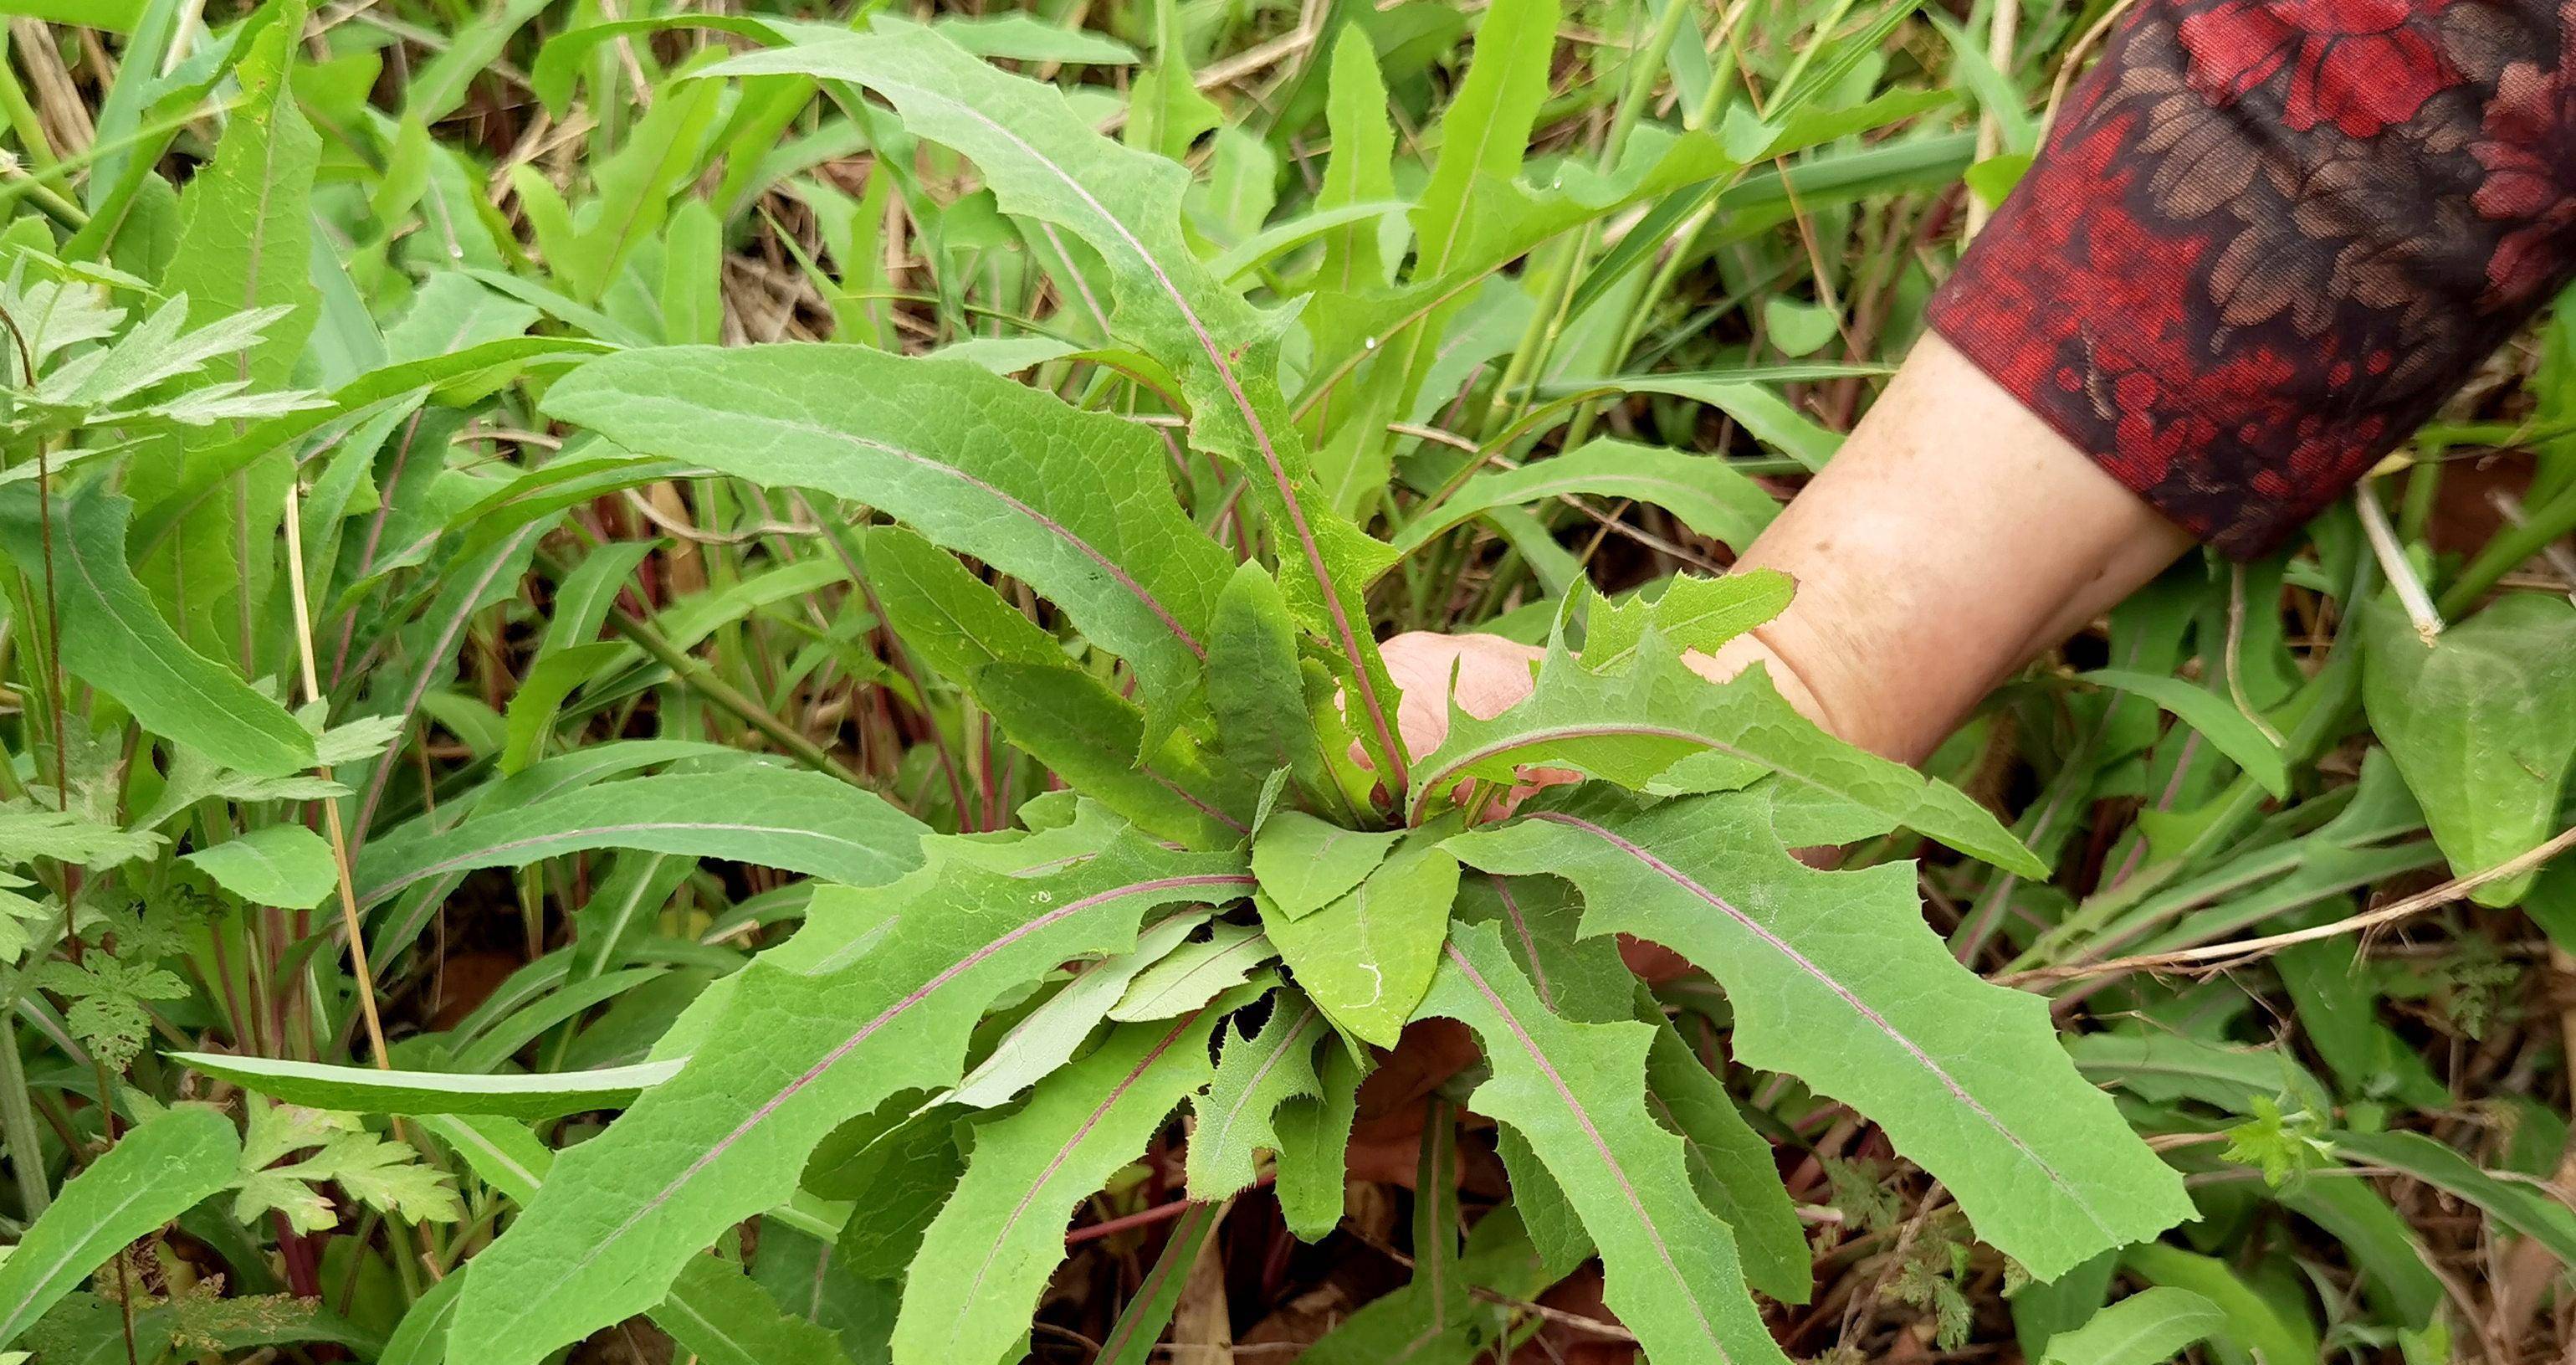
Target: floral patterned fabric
2268, 237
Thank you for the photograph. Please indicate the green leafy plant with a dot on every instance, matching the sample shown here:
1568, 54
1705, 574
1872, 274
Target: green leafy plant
718, 675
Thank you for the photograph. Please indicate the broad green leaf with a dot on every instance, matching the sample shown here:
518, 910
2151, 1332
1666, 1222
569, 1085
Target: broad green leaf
2256, 1329
245, 243
370, 1090
2142, 1329
155, 1172
944, 613
2227, 729
1575, 1092
900, 1163
1077, 504
1360, 169
1255, 1076
2337, 998
1023, 37
1835, 977
1708, 494
1042, 161
1634, 725
1731, 1166
794, 1056
1313, 1138
1101, 744
987, 1257
115, 639
1796, 327
1306, 864
1256, 686
285, 865
541, 694
421, 1337
803, 1272
716, 1313
1048, 1036
2482, 723
1691, 613
773, 817
1367, 957
1194, 973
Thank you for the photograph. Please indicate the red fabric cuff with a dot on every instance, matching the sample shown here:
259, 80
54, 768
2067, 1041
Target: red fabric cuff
2269, 237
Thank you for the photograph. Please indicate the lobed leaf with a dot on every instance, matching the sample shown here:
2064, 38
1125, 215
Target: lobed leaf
1255, 1076
1654, 724
1835, 977
1041, 161
988, 1254
792, 1057
1575, 1092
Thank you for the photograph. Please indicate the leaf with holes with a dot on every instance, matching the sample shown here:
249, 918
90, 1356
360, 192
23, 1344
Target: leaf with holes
1257, 1074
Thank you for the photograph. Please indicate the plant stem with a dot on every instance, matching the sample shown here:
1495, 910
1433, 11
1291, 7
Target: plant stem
2548, 522
18, 1122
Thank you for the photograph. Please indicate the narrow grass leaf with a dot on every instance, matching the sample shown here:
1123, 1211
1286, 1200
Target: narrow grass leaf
370, 1090
716, 1313
2228, 730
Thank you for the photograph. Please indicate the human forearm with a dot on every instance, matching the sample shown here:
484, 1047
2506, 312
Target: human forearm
1954, 537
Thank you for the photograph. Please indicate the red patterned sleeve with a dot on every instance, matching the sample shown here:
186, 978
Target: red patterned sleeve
2268, 237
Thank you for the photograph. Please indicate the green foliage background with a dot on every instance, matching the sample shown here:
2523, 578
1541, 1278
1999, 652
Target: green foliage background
705, 680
